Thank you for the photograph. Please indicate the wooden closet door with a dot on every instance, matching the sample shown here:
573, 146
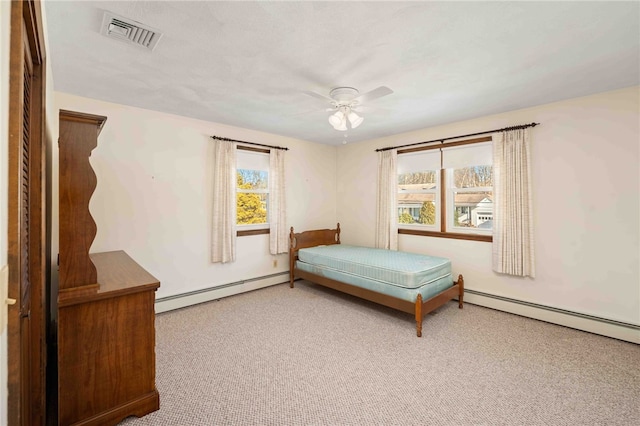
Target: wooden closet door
26, 331
26, 218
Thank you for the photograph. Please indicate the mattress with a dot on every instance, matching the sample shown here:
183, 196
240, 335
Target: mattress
409, 294
400, 269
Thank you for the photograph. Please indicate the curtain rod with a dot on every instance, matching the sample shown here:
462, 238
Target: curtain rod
522, 126
218, 138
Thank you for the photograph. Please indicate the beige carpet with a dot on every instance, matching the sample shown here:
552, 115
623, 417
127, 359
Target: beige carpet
311, 356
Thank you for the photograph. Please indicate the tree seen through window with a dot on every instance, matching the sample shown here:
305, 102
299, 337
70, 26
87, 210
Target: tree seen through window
252, 196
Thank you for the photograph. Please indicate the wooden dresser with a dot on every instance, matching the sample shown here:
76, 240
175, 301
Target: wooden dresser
106, 318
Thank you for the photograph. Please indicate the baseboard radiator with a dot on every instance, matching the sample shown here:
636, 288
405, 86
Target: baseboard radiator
591, 323
182, 300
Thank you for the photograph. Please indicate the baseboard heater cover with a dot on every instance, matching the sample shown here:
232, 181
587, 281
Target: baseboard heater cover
557, 310
189, 298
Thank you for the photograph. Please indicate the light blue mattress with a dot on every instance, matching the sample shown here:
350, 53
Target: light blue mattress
401, 269
409, 294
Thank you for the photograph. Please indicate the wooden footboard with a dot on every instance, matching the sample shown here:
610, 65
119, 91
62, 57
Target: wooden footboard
332, 236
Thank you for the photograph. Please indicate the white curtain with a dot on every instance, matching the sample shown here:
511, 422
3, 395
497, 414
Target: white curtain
223, 245
278, 237
387, 212
513, 251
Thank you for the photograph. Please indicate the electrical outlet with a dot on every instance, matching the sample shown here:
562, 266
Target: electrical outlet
275, 263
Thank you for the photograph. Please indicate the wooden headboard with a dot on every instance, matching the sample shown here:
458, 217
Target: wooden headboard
316, 237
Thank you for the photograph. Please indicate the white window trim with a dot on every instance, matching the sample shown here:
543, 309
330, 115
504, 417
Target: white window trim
252, 226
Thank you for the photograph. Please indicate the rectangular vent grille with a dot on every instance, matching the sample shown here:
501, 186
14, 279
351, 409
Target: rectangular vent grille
129, 31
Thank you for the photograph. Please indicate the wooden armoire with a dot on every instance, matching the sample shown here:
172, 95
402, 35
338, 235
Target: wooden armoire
106, 318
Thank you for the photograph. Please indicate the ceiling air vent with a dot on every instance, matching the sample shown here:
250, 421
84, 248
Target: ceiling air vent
129, 31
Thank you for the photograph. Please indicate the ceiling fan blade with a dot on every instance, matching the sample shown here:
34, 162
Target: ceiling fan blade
318, 96
374, 94
309, 112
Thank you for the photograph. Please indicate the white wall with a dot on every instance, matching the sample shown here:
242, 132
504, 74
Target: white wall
5, 32
153, 197
586, 199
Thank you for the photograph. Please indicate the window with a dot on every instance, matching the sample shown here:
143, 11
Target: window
252, 189
447, 191
418, 199
470, 195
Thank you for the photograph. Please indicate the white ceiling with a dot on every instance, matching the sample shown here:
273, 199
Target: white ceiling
247, 64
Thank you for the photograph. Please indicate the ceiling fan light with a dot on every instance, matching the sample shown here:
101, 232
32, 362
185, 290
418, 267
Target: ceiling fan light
355, 120
338, 121
342, 126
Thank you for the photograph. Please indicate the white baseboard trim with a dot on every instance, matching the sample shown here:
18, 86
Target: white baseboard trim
615, 329
183, 300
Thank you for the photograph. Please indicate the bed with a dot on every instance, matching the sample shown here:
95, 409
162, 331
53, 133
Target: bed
409, 282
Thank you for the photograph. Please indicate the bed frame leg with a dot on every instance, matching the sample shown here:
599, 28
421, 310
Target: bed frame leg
292, 255
419, 316
460, 291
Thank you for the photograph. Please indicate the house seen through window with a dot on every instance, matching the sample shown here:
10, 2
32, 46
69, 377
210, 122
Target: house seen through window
471, 197
417, 197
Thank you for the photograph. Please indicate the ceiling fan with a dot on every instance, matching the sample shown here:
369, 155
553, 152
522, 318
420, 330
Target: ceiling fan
346, 101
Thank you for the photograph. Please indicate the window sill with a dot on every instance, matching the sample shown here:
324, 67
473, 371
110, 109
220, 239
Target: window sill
252, 232
453, 235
